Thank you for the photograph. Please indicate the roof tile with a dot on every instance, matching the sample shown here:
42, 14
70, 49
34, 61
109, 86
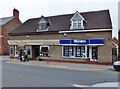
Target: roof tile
95, 20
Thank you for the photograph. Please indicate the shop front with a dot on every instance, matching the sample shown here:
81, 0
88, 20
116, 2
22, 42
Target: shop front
81, 48
38, 47
74, 48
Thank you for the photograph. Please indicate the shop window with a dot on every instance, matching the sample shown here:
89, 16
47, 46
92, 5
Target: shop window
11, 50
44, 51
68, 51
28, 51
74, 51
80, 51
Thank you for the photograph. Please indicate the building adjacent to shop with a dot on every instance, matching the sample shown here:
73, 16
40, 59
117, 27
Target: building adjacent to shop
115, 46
119, 45
7, 24
71, 37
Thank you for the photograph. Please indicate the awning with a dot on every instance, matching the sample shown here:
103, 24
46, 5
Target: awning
33, 42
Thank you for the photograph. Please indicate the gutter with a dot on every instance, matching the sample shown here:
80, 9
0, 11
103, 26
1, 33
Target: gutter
55, 32
96, 30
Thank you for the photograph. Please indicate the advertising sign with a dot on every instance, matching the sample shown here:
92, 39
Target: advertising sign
82, 42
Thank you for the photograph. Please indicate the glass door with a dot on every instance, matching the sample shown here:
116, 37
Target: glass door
95, 53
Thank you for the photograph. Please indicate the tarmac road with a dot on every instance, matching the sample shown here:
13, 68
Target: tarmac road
22, 75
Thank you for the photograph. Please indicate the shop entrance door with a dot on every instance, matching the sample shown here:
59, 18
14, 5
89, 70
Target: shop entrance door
94, 53
35, 51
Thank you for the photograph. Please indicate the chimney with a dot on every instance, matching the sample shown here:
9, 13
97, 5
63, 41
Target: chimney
16, 13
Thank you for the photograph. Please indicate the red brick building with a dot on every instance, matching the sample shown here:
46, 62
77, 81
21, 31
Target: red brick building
119, 46
7, 24
114, 48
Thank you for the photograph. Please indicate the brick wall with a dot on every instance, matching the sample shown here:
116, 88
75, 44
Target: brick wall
8, 27
104, 51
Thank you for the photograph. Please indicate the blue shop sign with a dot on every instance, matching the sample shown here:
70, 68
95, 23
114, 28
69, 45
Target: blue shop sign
96, 41
64, 42
82, 42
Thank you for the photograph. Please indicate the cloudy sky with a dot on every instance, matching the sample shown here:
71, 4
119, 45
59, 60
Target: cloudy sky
36, 8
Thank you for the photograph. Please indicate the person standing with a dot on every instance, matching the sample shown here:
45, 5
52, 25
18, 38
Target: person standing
25, 57
21, 55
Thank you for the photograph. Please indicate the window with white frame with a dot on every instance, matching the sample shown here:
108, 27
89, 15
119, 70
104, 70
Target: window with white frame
77, 21
28, 51
44, 50
77, 24
74, 51
11, 51
43, 25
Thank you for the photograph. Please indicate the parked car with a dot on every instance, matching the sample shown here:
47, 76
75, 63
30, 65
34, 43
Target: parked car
106, 84
116, 65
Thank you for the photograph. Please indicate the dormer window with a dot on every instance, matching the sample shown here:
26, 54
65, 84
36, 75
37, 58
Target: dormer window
77, 21
77, 24
43, 24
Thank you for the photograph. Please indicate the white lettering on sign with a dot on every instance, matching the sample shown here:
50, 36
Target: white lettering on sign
79, 41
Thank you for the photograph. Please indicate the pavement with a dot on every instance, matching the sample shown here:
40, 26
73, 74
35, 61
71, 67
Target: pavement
114, 85
59, 65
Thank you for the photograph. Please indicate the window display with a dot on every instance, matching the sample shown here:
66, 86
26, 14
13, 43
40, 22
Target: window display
44, 51
28, 51
11, 50
74, 51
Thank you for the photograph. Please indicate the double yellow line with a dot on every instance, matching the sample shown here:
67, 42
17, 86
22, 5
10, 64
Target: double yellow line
55, 66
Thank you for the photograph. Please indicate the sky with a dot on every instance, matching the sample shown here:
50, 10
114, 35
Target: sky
35, 8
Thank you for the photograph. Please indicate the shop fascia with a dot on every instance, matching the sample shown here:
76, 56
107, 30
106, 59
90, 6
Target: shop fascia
57, 42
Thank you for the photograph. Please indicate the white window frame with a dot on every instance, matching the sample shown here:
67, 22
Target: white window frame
81, 21
40, 29
27, 51
44, 22
10, 51
77, 21
48, 51
73, 57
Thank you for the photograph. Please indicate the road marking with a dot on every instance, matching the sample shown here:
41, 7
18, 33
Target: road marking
55, 66
8, 62
76, 85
